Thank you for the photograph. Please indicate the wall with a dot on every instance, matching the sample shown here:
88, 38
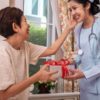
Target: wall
3, 4
11, 3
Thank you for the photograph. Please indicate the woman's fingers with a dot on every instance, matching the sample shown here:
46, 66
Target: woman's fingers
70, 78
72, 70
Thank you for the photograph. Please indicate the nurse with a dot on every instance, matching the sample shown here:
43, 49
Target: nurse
87, 35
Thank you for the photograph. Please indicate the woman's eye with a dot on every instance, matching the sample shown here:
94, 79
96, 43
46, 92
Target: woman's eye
70, 10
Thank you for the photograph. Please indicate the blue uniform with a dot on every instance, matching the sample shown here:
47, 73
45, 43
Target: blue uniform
90, 85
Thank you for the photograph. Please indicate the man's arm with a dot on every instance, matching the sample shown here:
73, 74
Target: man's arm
15, 89
55, 46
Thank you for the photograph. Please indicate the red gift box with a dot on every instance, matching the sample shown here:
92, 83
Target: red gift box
62, 66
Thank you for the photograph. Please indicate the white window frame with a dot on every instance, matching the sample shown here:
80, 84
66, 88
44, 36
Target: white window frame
40, 10
20, 4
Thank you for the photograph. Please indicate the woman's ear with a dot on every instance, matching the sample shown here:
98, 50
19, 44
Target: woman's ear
15, 27
88, 5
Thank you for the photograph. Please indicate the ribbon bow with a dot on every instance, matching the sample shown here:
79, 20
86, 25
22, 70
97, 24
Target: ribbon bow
63, 63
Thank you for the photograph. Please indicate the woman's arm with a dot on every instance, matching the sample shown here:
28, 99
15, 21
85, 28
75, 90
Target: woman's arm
73, 62
15, 89
55, 46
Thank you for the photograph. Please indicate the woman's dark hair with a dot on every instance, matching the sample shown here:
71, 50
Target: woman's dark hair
94, 9
8, 16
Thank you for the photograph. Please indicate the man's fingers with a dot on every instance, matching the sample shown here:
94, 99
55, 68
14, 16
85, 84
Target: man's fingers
53, 72
45, 66
72, 18
67, 18
52, 79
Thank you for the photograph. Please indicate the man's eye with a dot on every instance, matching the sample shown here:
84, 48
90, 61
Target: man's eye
74, 8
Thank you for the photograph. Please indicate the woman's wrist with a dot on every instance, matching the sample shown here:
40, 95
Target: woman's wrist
82, 75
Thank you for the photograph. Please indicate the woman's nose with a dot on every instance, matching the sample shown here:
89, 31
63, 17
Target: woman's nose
73, 13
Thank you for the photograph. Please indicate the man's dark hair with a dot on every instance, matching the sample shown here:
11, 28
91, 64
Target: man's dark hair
8, 16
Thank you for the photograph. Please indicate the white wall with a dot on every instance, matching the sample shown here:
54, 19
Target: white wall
11, 3
28, 7
19, 4
3, 4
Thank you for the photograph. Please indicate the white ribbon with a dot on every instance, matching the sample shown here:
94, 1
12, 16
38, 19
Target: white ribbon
91, 1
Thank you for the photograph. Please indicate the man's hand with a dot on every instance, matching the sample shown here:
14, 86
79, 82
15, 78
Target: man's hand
70, 23
77, 75
45, 76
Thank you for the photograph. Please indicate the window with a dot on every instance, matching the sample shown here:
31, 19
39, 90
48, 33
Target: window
35, 6
44, 8
39, 15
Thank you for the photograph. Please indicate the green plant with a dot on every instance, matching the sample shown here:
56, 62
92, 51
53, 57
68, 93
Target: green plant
48, 84
37, 36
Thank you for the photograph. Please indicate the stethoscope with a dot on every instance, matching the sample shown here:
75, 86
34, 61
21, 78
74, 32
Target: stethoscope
80, 51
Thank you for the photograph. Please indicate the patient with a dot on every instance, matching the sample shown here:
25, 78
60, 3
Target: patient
16, 54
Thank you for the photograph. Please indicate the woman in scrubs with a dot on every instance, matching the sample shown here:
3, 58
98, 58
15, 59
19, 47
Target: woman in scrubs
88, 46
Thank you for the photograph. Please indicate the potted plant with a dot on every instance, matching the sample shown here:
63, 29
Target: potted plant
45, 87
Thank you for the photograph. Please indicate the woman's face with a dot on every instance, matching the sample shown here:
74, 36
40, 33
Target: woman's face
24, 29
77, 11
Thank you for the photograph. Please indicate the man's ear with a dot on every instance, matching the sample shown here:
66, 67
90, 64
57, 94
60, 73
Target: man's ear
15, 27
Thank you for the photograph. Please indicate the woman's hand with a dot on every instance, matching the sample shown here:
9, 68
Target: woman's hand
70, 23
45, 76
77, 75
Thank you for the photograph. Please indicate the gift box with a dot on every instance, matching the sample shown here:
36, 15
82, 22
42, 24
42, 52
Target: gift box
60, 72
61, 66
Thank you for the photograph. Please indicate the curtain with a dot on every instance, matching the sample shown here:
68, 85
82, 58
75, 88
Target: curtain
19, 4
60, 10
69, 44
55, 9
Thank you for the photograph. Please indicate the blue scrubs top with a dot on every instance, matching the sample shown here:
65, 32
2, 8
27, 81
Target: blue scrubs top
89, 66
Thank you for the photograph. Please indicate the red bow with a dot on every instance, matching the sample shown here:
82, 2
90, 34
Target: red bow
63, 63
